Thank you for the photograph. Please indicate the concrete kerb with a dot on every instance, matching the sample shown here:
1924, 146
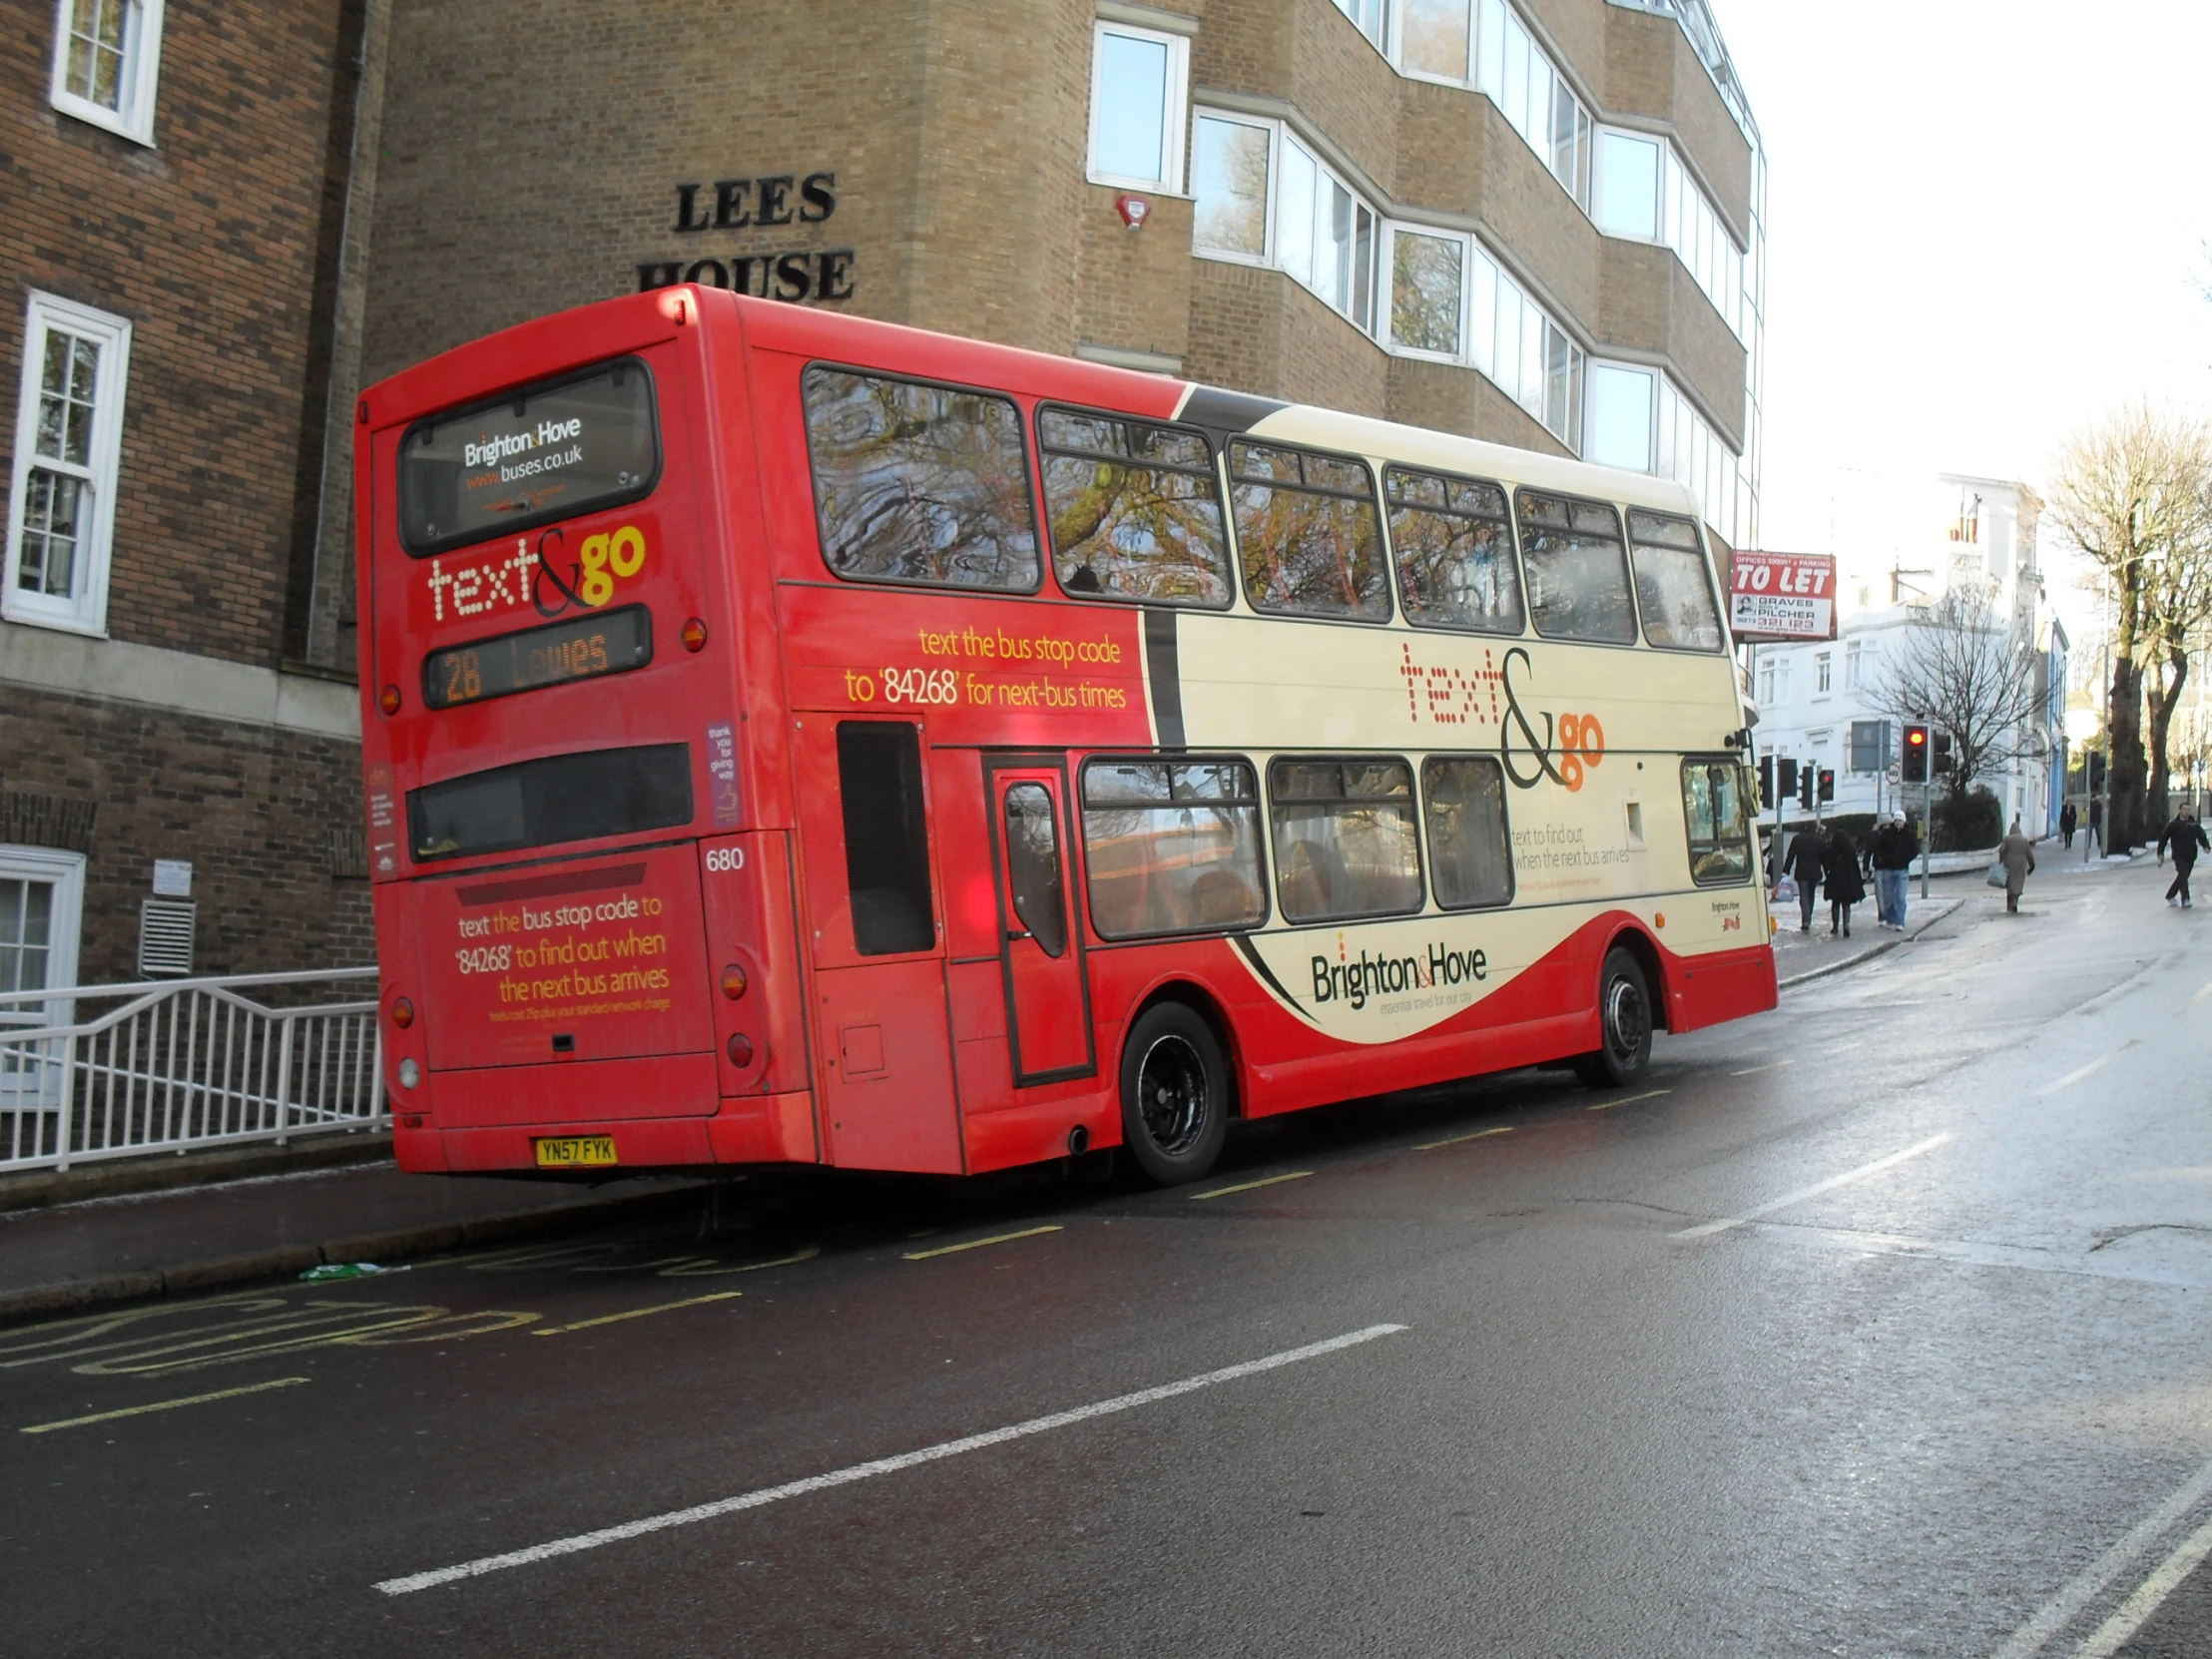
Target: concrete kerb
1931, 912
290, 1260
165, 1171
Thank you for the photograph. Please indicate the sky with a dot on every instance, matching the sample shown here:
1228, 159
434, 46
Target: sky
1985, 223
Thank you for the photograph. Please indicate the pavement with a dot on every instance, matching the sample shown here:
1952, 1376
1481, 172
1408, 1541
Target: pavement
1872, 1326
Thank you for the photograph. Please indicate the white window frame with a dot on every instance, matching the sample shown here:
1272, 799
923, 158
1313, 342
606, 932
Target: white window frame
142, 64
1274, 131
1378, 276
1824, 675
1175, 118
66, 871
85, 611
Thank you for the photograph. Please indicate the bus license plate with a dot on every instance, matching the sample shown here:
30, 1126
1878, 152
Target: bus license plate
576, 1152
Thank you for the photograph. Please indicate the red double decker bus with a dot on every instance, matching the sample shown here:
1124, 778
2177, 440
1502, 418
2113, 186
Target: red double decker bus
794, 738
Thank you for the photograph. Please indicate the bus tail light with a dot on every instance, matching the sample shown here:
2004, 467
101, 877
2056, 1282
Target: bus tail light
402, 1012
741, 1049
693, 635
733, 981
389, 700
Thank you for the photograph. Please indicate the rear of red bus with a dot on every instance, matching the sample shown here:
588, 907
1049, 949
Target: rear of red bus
568, 694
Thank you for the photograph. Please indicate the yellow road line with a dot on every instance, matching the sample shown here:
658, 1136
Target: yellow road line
162, 1406
1628, 1100
634, 1313
1249, 1186
1455, 1140
977, 1244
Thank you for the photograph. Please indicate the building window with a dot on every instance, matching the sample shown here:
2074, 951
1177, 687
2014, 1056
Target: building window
69, 437
1369, 17
106, 56
1766, 683
1855, 663
1823, 673
1618, 418
1437, 40
1230, 168
1448, 299
1512, 69
1138, 77
1645, 193
42, 895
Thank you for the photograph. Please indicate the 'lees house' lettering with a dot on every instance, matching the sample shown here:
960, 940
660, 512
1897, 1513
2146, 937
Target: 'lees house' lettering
746, 203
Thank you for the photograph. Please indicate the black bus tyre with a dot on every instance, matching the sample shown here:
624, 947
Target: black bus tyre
1174, 1094
1624, 1022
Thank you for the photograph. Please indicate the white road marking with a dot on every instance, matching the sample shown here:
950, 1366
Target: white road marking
1708, 1229
1753, 1071
1631, 1100
2135, 1611
2203, 991
2090, 1070
978, 1243
880, 1465
2062, 1608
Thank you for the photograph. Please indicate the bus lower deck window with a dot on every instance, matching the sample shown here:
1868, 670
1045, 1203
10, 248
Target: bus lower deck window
1345, 841
1471, 859
1172, 846
887, 837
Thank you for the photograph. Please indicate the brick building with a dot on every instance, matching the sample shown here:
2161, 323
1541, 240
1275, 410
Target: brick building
1532, 221
173, 186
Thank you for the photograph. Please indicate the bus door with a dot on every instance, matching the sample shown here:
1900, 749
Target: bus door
1048, 1013
880, 1013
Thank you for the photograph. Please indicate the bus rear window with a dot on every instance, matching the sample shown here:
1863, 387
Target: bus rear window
563, 798
549, 452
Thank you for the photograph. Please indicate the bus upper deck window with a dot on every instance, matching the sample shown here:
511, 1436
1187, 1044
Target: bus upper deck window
1454, 548
1578, 569
1308, 532
1134, 510
920, 483
1674, 589
550, 452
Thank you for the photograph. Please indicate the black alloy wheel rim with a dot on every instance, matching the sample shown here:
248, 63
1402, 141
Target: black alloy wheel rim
1172, 1096
1627, 1019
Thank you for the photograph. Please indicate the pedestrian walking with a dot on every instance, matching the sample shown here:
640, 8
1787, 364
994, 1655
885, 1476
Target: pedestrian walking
2185, 838
1805, 863
1844, 888
2066, 822
2017, 854
1890, 855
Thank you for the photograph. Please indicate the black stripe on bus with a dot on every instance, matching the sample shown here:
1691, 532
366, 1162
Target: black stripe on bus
1164, 674
1244, 949
1225, 413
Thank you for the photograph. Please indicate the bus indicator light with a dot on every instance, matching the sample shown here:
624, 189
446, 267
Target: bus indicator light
741, 1049
389, 700
694, 636
732, 981
402, 1012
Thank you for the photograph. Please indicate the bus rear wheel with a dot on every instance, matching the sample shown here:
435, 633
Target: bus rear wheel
1624, 1020
1174, 1094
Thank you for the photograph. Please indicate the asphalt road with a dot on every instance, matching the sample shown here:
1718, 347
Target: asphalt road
1873, 1327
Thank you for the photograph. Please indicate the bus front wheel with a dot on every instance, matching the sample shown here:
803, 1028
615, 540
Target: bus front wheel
1174, 1094
1624, 1021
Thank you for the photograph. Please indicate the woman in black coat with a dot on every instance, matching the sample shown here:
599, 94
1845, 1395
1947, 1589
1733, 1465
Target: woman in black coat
1842, 882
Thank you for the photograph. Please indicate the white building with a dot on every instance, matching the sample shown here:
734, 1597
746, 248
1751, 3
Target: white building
1822, 704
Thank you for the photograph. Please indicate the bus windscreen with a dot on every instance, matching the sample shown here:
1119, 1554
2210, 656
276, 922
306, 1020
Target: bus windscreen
546, 453
562, 798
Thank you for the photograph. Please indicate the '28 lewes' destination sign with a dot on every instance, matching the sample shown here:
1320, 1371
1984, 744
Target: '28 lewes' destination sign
773, 200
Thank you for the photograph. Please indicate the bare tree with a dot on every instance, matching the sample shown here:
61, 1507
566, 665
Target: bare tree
1963, 670
2132, 493
2177, 613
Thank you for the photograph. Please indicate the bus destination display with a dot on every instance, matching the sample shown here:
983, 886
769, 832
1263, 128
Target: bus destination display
612, 642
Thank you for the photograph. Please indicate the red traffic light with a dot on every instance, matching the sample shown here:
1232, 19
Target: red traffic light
1916, 734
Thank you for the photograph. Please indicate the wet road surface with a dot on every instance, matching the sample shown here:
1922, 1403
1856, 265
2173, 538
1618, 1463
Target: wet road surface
1873, 1327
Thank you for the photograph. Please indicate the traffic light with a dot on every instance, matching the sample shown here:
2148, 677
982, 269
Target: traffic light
1915, 755
2096, 771
1828, 783
1805, 786
1766, 782
1786, 783
1943, 761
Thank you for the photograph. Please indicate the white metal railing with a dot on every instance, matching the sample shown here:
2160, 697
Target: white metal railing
172, 1065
